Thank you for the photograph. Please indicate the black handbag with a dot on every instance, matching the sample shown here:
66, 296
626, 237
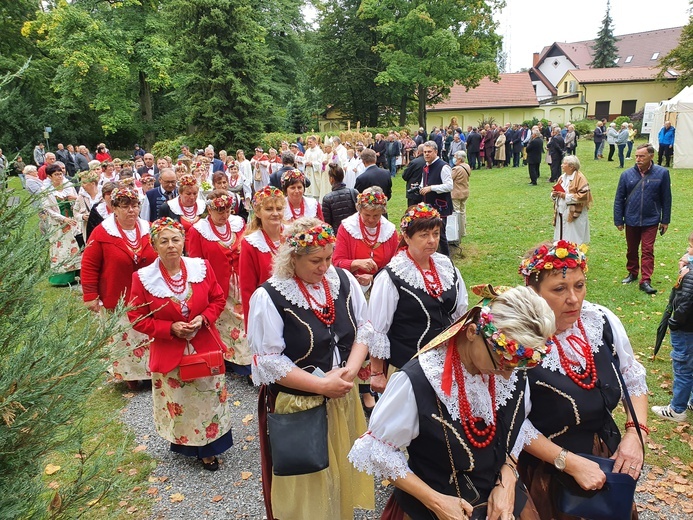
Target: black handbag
298, 441
614, 501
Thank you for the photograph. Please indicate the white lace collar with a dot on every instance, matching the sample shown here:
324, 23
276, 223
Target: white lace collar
311, 208
204, 227
257, 240
592, 321
153, 282
174, 206
289, 288
352, 226
432, 362
109, 224
403, 267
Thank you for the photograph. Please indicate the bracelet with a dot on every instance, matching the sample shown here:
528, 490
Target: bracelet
514, 470
374, 374
631, 424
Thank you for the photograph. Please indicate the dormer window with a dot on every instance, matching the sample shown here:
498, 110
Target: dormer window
655, 56
616, 60
629, 59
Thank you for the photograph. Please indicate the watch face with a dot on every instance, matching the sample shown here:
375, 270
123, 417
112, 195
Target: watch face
560, 464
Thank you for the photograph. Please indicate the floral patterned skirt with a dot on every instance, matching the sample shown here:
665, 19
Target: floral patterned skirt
64, 251
129, 353
336, 491
232, 330
190, 413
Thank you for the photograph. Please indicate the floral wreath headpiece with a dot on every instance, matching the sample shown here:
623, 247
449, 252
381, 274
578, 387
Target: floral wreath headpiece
512, 354
88, 176
124, 192
267, 192
421, 210
188, 180
221, 202
291, 176
559, 255
318, 236
165, 223
372, 199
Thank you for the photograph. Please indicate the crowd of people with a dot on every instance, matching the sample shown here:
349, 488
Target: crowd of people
285, 270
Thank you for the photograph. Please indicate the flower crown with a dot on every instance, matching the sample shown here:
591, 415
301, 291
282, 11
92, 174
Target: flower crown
559, 255
372, 199
318, 236
267, 192
221, 202
188, 180
421, 210
88, 176
124, 192
165, 223
512, 354
291, 176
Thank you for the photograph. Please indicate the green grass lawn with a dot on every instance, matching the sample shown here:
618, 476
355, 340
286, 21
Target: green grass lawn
506, 217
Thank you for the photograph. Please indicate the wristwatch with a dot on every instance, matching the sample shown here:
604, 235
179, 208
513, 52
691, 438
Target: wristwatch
559, 462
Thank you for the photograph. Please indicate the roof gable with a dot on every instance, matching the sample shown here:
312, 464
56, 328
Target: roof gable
616, 74
512, 90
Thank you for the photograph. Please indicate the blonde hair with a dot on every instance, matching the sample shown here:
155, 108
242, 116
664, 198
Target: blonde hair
283, 264
256, 223
524, 316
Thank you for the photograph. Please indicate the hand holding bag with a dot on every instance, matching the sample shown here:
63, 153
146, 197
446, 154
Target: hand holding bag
196, 366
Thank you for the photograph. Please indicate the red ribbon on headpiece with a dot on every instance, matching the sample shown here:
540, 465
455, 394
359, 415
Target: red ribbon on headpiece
446, 382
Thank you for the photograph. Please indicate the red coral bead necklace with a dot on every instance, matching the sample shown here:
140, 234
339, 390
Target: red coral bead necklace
325, 312
432, 283
177, 286
571, 368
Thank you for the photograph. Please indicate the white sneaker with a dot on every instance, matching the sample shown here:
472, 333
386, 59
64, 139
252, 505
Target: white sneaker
667, 413
690, 406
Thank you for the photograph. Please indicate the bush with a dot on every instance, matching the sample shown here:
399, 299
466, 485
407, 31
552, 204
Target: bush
531, 122
584, 127
171, 147
620, 120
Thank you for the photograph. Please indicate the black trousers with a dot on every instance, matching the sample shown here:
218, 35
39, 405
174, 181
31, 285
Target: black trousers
665, 150
612, 150
533, 172
555, 168
474, 160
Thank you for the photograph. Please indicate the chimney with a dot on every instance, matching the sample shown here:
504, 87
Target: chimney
535, 59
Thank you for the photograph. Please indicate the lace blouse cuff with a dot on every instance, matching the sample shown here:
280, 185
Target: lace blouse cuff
269, 368
527, 434
378, 342
364, 333
378, 458
634, 377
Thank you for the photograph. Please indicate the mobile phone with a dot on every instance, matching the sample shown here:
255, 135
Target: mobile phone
661, 231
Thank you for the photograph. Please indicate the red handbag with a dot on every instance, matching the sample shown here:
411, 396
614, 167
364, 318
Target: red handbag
207, 364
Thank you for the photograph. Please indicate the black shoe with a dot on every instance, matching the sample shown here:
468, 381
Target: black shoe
628, 279
645, 286
211, 466
532, 183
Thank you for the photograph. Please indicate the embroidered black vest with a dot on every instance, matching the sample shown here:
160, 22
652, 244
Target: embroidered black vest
309, 342
441, 201
570, 415
428, 453
419, 318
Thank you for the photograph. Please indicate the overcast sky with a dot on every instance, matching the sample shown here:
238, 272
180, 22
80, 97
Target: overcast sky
529, 25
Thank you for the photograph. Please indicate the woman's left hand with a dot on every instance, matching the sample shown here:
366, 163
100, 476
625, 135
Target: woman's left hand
629, 455
501, 502
195, 323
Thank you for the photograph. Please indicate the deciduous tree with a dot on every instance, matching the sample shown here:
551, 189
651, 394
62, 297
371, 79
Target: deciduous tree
680, 58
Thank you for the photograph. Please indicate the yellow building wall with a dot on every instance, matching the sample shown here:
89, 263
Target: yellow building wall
641, 91
557, 114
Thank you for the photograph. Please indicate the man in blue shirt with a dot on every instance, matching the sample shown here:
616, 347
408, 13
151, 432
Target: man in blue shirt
666, 142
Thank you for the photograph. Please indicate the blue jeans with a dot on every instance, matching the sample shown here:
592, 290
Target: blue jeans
621, 157
392, 165
630, 148
682, 364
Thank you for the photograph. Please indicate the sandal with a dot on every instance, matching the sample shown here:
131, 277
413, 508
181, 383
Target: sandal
211, 466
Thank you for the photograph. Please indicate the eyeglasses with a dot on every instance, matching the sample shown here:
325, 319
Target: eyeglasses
489, 349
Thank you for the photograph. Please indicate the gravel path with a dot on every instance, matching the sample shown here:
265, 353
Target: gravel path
230, 493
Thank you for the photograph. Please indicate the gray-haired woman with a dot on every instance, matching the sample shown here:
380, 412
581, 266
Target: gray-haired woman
460, 189
571, 202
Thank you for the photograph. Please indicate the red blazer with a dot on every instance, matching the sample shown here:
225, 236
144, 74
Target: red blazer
345, 249
255, 269
108, 265
157, 314
224, 260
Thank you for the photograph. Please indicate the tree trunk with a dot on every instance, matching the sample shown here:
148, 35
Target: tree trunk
146, 109
422, 93
403, 111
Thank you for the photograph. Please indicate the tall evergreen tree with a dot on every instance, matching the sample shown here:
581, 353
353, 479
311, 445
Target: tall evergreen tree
604, 48
222, 78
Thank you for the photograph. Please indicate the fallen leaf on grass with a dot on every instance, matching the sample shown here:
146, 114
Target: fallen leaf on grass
217, 498
247, 419
109, 453
132, 472
54, 485
139, 448
245, 475
52, 468
56, 503
152, 491
131, 510
123, 503
93, 502
79, 456
128, 395
177, 497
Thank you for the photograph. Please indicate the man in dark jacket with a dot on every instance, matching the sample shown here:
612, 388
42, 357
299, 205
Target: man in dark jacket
380, 149
288, 163
372, 175
556, 149
642, 205
340, 203
392, 151
681, 326
473, 148
412, 175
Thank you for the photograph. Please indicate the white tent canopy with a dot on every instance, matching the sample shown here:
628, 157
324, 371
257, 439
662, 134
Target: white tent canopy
679, 111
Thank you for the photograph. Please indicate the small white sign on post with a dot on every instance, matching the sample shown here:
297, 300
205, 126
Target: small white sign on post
648, 118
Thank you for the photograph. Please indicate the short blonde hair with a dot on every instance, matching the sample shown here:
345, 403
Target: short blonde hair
524, 316
283, 264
